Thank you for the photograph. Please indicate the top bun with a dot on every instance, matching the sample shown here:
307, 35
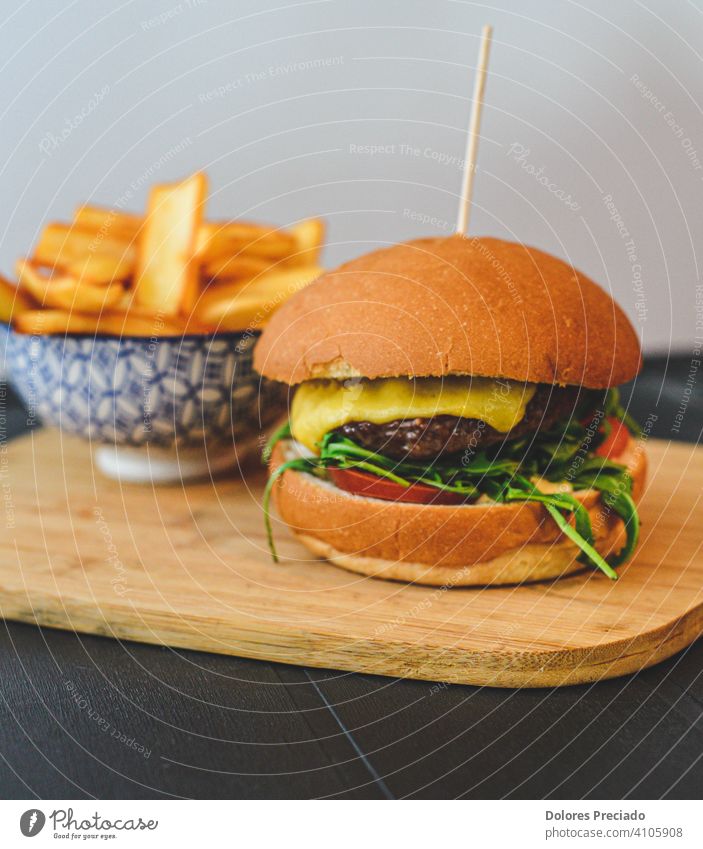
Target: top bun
452, 305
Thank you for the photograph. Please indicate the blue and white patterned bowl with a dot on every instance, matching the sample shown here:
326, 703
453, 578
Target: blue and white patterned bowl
158, 408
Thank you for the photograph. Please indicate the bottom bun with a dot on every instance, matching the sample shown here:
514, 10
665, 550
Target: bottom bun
465, 545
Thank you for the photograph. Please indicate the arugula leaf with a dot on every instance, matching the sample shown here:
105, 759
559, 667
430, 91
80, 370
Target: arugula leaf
585, 546
617, 497
299, 464
613, 407
283, 432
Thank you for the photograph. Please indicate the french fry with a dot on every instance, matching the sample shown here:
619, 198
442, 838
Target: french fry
117, 323
65, 292
237, 267
101, 268
112, 323
226, 238
126, 307
240, 315
236, 307
101, 219
280, 285
218, 292
62, 244
13, 301
167, 275
39, 322
33, 280
309, 236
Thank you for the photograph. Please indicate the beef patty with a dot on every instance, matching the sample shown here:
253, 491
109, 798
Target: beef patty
419, 439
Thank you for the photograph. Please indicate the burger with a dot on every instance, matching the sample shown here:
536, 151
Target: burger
454, 416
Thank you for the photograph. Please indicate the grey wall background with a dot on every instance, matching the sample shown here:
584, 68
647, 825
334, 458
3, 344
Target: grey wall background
357, 111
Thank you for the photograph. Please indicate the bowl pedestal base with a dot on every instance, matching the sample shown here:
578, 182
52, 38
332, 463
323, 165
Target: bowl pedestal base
155, 465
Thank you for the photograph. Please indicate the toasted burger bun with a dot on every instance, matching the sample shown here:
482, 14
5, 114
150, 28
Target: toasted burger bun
467, 545
452, 305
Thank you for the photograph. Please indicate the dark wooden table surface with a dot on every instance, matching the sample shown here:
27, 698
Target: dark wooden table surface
88, 717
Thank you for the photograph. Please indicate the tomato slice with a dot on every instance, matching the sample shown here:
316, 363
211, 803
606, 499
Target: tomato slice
372, 486
616, 441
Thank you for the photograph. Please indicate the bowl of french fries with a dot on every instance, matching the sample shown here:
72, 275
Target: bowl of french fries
136, 331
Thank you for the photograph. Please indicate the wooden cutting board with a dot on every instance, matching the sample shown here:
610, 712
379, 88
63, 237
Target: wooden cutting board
188, 567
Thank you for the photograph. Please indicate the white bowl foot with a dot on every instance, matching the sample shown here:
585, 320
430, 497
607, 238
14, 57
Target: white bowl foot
169, 465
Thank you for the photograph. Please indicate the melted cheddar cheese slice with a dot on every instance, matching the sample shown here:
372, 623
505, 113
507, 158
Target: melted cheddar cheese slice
320, 406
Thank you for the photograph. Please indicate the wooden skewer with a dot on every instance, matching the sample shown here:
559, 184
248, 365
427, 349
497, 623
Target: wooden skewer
462, 221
